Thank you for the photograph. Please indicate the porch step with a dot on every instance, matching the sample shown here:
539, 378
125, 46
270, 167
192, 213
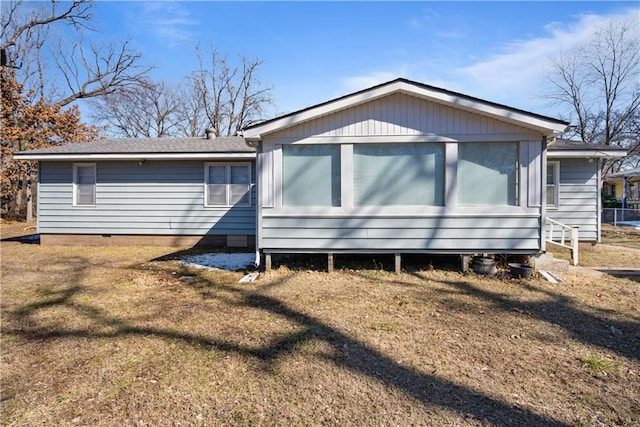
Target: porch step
547, 262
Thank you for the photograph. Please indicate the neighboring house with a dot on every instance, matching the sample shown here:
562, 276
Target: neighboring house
625, 187
401, 167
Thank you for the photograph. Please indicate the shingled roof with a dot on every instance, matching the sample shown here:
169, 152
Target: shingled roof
146, 147
570, 148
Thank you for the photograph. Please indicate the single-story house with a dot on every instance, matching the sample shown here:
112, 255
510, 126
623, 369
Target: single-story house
625, 187
401, 167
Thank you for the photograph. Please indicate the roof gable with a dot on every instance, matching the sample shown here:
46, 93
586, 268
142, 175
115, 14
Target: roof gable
401, 114
546, 125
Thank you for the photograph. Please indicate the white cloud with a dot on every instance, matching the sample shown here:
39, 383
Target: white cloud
170, 21
514, 77
355, 83
518, 73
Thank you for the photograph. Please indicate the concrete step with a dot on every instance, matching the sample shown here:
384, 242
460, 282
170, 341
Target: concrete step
547, 262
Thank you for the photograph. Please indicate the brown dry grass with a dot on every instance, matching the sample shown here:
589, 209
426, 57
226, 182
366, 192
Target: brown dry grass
602, 256
107, 336
621, 236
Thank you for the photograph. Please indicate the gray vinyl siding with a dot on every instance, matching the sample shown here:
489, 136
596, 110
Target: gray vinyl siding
578, 197
475, 234
156, 198
401, 114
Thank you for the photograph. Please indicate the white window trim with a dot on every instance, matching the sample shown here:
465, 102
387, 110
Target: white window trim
227, 165
555, 164
75, 184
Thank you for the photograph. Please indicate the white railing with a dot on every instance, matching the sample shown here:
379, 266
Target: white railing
563, 229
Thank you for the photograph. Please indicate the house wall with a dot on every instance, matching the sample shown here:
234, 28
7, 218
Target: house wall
162, 198
450, 228
403, 115
578, 197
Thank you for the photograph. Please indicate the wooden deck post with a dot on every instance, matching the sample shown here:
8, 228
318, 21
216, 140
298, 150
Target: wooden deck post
267, 262
465, 262
330, 263
398, 259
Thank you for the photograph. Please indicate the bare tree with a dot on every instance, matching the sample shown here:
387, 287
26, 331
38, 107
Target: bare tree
50, 72
232, 96
59, 70
600, 81
194, 118
151, 110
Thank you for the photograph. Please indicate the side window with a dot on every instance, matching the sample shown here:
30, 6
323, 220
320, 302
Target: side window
227, 184
84, 184
553, 185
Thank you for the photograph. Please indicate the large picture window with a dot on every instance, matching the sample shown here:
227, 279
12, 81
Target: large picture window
227, 184
84, 184
398, 174
311, 175
488, 173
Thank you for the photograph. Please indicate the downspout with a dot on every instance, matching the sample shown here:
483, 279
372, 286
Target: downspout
599, 166
543, 201
258, 190
38, 185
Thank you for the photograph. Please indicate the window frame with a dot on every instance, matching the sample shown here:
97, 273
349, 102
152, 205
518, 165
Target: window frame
517, 176
336, 188
555, 164
227, 184
76, 202
439, 153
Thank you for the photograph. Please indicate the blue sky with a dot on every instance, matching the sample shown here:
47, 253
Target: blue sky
315, 51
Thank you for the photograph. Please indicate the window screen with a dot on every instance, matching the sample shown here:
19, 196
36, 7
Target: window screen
85, 184
398, 174
552, 184
488, 173
311, 175
228, 185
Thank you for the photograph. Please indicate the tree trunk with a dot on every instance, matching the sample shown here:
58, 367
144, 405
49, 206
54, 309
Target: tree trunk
17, 208
27, 189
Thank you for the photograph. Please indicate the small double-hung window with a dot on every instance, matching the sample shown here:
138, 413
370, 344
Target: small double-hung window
553, 185
84, 184
227, 184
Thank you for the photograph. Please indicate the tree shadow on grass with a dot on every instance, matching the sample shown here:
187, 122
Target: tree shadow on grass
584, 326
30, 239
347, 352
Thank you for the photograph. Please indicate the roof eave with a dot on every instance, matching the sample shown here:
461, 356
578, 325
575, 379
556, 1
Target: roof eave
132, 156
590, 154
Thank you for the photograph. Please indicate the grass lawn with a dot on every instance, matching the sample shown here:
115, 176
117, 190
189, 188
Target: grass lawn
621, 236
119, 336
599, 256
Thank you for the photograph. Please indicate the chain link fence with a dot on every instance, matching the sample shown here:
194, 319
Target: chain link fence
620, 216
